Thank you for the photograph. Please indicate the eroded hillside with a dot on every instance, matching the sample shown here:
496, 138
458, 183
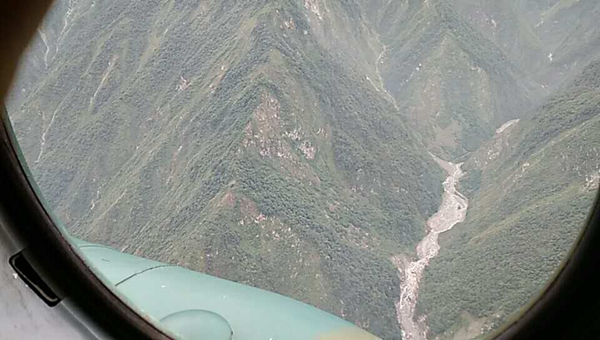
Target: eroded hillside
287, 144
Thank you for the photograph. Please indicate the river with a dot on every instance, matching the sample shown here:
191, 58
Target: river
452, 211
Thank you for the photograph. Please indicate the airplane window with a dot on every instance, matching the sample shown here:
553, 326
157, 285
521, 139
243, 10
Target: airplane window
419, 169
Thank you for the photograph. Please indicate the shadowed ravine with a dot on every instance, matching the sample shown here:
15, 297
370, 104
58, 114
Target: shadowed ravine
451, 212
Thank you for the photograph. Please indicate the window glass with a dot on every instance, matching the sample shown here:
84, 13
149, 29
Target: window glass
419, 169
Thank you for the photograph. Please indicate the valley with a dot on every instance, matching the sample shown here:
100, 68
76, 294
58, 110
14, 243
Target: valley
529, 194
451, 212
288, 145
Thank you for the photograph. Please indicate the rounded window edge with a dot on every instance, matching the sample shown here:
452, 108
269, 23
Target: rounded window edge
562, 308
31, 223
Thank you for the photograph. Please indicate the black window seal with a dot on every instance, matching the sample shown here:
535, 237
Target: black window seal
569, 306
51, 254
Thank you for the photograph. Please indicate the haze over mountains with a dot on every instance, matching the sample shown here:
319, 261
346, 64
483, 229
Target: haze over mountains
531, 188
286, 144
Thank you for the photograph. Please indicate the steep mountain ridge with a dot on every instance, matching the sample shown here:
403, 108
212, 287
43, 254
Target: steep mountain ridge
455, 87
551, 39
259, 152
532, 188
286, 144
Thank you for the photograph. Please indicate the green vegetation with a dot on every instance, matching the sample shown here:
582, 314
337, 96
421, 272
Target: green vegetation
456, 86
285, 144
225, 138
471, 182
529, 209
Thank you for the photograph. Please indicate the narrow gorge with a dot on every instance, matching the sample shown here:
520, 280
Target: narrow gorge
452, 211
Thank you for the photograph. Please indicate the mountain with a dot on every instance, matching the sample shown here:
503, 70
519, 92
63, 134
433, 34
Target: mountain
580, 43
287, 144
531, 188
551, 39
454, 85
234, 138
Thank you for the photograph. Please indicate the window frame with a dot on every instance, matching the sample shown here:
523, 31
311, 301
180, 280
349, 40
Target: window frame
32, 224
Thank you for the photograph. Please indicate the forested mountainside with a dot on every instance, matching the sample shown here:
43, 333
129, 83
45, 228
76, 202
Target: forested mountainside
287, 144
454, 85
235, 138
554, 39
531, 189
